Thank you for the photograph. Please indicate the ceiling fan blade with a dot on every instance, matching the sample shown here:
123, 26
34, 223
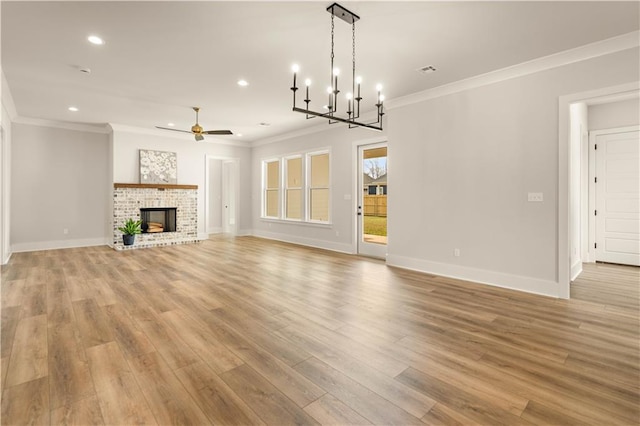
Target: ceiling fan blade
173, 130
218, 132
199, 137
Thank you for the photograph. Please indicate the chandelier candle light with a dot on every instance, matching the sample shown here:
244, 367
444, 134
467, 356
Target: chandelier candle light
353, 101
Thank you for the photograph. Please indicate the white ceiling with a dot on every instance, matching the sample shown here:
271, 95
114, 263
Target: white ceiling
161, 58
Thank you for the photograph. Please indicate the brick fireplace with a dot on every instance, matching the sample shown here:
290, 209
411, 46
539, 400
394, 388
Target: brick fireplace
143, 201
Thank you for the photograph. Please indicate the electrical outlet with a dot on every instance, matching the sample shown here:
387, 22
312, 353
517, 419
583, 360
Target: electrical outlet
456, 252
535, 197
65, 231
337, 233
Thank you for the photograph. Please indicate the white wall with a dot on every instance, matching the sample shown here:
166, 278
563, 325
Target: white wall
58, 181
464, 164
614, 114
340, 234
191, 165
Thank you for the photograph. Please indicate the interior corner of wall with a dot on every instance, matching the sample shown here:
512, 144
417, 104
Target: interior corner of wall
576, 269
7, 98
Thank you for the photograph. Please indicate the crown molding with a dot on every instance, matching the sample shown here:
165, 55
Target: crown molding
578, 54
91, 128
7, 98
292, 134
177, 135
616, 97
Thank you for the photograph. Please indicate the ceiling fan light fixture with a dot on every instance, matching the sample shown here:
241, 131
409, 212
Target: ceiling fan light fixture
197, 129
353, 102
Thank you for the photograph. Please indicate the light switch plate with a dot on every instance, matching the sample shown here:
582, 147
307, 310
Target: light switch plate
535, 197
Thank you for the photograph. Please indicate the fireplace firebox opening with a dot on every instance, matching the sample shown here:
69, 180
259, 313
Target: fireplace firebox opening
158, 219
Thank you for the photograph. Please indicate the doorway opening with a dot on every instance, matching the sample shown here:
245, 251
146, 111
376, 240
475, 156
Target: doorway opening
573, 189
372, 200
221, 195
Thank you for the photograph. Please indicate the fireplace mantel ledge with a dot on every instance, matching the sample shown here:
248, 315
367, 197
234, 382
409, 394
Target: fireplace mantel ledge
153, 186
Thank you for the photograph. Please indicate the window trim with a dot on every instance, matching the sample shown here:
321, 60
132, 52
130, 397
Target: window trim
265, 169
285, 188
308, 186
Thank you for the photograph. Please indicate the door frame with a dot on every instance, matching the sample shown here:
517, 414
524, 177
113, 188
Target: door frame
593, 135
357, 190
236, 186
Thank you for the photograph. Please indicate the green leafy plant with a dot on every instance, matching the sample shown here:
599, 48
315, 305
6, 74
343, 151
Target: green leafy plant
131, 227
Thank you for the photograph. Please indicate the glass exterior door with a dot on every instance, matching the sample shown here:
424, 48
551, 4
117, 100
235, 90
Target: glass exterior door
372, 200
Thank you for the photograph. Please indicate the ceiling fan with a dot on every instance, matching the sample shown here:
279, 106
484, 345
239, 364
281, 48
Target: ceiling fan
197, 130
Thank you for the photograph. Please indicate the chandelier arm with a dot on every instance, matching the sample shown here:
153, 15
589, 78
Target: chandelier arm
340, 119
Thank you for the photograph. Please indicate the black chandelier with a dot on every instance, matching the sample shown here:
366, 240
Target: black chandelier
353, 98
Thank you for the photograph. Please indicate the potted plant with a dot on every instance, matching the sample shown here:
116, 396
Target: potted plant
129, 230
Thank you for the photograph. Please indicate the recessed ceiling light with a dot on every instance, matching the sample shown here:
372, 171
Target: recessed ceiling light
94, 39
73, 109
170, 124
239, 135
243, 83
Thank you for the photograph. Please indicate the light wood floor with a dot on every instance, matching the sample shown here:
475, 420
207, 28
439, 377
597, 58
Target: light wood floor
247, 331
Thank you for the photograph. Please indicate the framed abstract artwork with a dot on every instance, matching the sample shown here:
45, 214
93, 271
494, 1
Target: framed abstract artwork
158, 167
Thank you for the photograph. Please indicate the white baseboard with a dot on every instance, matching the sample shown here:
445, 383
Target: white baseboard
497, 279
60, 244
309, 242
576, 269
6, 259
203, 236
245, 233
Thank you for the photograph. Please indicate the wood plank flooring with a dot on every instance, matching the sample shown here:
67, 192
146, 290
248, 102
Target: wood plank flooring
249, 331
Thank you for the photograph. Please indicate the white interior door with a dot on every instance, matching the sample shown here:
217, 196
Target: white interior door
229, 197
617, 213
213, 195
372, 200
